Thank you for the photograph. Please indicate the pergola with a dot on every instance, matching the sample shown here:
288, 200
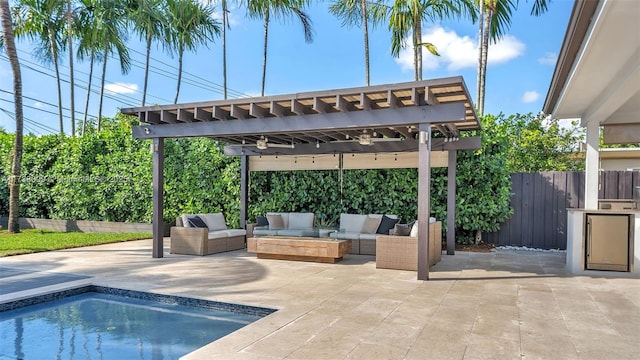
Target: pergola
394, 118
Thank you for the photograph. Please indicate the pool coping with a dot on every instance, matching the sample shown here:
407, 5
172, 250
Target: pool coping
71, 290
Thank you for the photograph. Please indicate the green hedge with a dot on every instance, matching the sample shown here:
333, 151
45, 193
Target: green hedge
107, 176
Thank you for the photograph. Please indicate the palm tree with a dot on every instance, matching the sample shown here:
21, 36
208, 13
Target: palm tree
147, 20
265, 9
356, 13
189, 25
495, 20
87, 47
406, 16
12, 54
111, 25
43, 22
69, 18
225, 25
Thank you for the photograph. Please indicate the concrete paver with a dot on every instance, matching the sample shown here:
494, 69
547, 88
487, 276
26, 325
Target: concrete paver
502, 305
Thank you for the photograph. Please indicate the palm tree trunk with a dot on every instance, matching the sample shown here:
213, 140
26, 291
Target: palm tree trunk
480, 40
146, 69
224, 47
86, 103
54, 57
104, 74
71, 80
483, 60
417, 49
14, 180
180, 53
264, 56
365, 30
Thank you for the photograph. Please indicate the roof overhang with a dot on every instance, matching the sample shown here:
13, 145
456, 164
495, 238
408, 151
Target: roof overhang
383, 118
597, 77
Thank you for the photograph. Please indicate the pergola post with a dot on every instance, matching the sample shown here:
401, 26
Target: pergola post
451, 203
157, 149
424, 200
244, 190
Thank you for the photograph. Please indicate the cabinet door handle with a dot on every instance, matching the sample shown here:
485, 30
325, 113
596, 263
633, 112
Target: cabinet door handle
589, 236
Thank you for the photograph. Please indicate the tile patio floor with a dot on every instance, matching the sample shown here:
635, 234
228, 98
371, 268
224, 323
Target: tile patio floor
502, 305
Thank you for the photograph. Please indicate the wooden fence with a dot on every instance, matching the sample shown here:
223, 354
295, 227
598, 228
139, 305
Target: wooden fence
540, 201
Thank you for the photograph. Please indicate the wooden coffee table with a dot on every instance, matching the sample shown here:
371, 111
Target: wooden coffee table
322, 250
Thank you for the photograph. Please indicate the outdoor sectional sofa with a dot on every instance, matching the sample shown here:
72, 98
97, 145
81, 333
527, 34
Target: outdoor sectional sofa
401, 252
363, 230
285, 224
214, 238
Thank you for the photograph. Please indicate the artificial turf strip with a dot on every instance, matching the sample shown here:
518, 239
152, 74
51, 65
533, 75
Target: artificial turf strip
35, 240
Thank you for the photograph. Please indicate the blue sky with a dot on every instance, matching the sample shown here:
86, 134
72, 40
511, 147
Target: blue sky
518, 76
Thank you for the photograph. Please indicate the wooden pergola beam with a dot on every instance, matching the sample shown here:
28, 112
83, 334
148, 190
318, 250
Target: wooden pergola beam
467, 143
400, 116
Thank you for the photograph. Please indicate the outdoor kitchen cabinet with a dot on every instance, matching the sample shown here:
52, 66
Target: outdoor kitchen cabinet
607, 240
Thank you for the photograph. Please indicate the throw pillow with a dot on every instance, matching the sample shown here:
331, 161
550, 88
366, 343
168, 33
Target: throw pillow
275, 222
262, 221
386, 224
402, 229
197, 222
414, 229
370, 225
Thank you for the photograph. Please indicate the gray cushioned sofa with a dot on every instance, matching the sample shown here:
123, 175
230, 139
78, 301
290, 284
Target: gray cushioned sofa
361, 231
214, 238
293, 224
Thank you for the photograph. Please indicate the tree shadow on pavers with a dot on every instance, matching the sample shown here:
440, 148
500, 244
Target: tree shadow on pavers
171, 272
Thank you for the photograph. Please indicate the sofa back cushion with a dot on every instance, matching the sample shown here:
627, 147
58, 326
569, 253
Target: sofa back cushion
300, 221
352, 222
214, 221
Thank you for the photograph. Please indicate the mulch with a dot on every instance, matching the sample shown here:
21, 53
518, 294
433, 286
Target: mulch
482, 247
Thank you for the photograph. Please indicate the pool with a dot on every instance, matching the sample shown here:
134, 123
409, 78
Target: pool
95, 322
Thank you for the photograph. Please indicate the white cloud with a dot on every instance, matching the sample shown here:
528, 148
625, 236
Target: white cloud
508, 48
121, 88
549, 58
459, 52
38, 104
530, 96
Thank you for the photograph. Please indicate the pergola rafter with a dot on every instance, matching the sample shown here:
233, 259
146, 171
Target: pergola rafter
395, 118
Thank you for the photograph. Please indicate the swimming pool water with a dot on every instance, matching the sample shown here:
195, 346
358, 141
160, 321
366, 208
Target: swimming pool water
106, 326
